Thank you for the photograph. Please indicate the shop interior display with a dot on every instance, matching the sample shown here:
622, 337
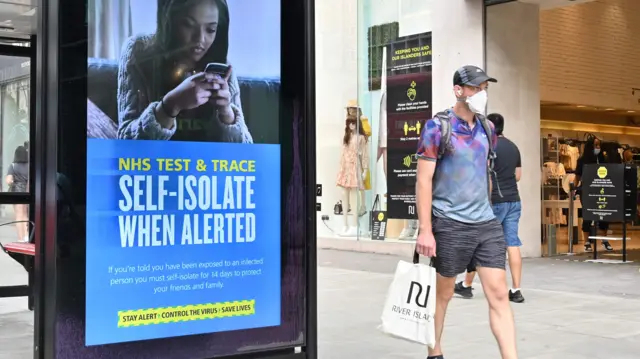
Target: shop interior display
353, 168
559, 162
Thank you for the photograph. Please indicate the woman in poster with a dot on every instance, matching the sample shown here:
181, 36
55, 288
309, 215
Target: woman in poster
164, 92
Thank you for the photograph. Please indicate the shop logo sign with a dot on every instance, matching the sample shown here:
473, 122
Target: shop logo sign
602, 172
417, 296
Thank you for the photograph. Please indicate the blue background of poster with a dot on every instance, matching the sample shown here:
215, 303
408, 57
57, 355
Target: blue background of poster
103, 301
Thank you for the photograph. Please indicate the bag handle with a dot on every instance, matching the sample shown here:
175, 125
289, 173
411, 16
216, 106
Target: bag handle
376, 203
416, 259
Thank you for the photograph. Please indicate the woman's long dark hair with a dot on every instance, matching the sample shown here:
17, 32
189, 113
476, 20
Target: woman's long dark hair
347, 130
168, 11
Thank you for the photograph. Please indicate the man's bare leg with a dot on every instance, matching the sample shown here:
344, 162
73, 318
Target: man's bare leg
515, 265
444, 293
494, 284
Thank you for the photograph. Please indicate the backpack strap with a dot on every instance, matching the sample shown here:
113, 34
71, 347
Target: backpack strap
492, 153
445, 132
487, 130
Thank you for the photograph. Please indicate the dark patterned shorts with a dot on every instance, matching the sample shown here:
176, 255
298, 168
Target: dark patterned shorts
466, 245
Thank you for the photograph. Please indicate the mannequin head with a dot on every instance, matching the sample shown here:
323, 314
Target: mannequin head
352, 125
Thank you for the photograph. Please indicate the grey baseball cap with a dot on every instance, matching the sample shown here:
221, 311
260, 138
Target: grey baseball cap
471, 76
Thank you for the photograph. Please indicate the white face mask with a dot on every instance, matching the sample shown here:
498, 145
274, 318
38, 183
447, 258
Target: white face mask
596, 151
478, 102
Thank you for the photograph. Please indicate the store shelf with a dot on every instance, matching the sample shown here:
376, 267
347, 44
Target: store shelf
589, 127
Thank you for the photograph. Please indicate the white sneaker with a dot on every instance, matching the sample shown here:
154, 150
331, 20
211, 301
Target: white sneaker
344, 231
352, 232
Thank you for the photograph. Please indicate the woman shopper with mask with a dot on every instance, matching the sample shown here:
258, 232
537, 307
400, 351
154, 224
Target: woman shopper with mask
457, 224
592, 154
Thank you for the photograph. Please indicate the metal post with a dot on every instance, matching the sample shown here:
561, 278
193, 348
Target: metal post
570, 221
552, 248
311, 315
624, 241
593, 232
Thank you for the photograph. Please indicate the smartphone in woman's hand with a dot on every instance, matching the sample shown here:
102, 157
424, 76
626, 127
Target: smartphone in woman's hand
217, 68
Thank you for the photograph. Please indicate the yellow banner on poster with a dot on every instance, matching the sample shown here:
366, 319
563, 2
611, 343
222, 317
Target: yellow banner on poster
134, 318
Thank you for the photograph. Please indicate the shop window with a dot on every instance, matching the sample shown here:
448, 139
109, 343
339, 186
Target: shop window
401, 26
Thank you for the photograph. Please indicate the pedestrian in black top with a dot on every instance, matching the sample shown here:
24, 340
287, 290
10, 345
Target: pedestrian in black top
592, 154
505, 200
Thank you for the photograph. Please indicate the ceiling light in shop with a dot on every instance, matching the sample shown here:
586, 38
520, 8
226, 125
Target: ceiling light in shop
581, 106
631, 111
610, 109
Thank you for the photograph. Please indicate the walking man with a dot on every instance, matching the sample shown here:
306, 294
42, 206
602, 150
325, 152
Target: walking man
457, 224
505, 200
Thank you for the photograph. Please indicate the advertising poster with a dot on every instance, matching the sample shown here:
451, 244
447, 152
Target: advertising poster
408, 109
603, 192
183, 194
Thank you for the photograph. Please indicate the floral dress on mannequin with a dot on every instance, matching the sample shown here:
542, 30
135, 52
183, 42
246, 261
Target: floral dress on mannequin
353, 157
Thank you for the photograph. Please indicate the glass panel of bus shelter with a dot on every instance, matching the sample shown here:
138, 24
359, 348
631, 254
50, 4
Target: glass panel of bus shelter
15, 83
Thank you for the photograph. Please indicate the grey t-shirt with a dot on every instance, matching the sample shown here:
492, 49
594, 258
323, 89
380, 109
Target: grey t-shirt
19, 171
508, 159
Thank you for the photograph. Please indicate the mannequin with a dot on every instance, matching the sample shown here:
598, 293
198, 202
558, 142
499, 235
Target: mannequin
354, 163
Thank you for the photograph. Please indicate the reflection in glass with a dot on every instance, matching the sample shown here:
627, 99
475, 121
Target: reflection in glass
15, 92
17, 180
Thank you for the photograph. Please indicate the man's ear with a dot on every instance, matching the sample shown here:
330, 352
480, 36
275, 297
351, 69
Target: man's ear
458, 90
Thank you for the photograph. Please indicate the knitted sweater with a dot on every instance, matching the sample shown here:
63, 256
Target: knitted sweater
139, 94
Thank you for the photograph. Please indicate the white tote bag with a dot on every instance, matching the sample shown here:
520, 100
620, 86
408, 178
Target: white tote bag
410, 305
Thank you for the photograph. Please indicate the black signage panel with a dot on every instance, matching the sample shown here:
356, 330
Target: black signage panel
401, 184
378, 225
631, 191
603, 192
408, 109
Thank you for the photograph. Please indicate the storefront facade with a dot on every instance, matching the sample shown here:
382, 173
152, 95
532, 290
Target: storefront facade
540, 52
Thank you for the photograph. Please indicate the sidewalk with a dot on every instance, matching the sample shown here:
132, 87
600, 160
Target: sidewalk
16, 321
573, 310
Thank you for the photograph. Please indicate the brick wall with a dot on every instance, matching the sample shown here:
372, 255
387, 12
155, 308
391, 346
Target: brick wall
590, 54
